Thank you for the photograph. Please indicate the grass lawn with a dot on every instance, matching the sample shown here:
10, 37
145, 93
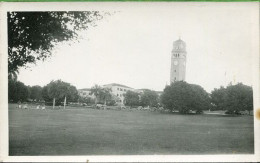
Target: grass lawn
82, 131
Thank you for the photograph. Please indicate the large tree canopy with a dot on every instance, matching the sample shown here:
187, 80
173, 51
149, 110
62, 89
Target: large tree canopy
184, 97
35, 92
132, 98
149, 98
233, 98
17, 91
59, 90
218, 98
32, 35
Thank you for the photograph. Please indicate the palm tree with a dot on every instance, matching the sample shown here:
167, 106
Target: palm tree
107, 94
96, 90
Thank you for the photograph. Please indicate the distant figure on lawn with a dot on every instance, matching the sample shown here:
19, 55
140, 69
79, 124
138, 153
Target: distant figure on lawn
43, 106
19, 104
25, 106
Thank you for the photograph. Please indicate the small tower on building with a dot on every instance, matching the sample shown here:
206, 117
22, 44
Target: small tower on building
178, 61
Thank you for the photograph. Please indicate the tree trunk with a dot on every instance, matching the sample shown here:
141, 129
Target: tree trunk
64, 102
96, 101
105, 107
53, 103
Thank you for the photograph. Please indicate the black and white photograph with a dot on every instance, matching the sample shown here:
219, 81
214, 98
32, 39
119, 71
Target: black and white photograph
127, 79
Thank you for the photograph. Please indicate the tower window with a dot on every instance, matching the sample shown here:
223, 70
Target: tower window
174, 70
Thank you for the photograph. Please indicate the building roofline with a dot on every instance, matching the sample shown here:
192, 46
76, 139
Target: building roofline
116, 84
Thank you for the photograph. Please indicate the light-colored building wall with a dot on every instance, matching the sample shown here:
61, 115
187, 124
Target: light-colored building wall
86, 93
118, 90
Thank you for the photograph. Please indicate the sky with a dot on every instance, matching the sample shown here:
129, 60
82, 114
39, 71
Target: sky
133, 47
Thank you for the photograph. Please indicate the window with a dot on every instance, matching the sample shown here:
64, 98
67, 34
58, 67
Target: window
117, 95
174, 70
117, 88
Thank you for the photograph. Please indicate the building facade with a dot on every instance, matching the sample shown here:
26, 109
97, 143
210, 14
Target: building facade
118, 90
86, 92
178, 61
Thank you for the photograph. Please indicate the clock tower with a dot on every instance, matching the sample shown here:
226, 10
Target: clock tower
178, 61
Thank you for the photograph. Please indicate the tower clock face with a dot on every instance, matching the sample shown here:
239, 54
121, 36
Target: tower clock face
175, 62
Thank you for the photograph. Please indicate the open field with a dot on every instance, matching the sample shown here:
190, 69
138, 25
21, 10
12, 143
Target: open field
81, 131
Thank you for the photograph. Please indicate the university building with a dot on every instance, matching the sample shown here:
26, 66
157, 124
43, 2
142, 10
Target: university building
117, 91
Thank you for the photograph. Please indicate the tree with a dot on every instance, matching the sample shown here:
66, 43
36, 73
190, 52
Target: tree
131, 98
149, 98
102, 94
96, 91
58, 90
218, 98
201, 99
35, 93
184, 97
106, 95
238, 98
45, 94
32, 35
17, 91
233, 98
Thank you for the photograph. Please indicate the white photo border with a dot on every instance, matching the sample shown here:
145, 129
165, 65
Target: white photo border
84, 6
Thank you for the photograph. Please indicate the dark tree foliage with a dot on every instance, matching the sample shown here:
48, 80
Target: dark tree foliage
32, 35
184, 97
45, 94
131, 98
35, 93
59, 90
201, 99
218, 98
238, 98
149, 98
17, 91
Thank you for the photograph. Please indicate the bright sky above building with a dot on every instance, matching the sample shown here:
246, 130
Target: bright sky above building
133, 47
